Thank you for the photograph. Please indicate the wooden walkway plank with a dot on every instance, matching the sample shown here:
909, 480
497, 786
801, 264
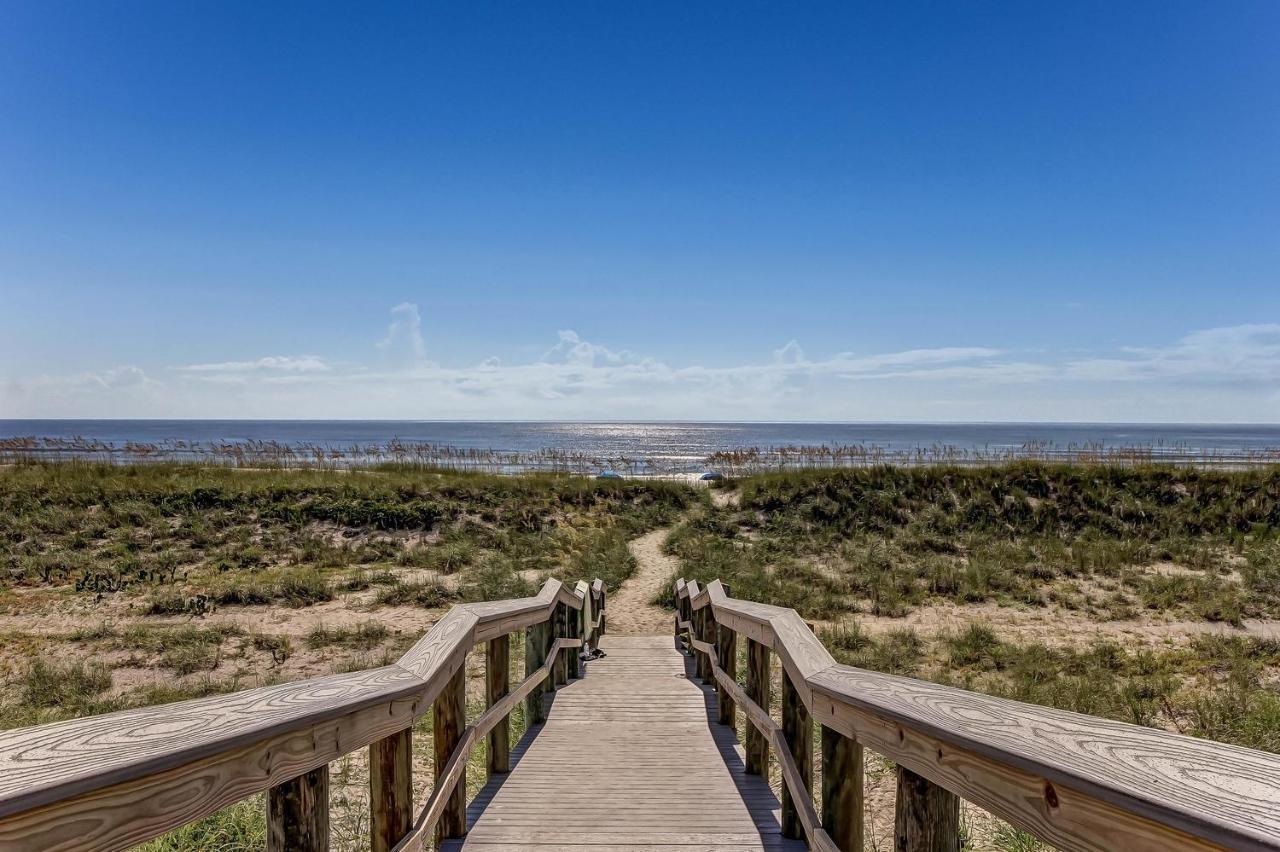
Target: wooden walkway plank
614, 765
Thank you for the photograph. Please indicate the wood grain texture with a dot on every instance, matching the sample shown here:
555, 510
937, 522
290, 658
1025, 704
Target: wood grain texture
1075, 781
115, 780
797, 782
843, 809
298, 813
560, 672
598, 603
577, 631
628, 760
1154, 789
497, 679
536, 643
390, 789
797, 733
126, 814
727, 660
451, 776
55, 762
449, 713
702, 658
926, 817
1023, 762
758, 693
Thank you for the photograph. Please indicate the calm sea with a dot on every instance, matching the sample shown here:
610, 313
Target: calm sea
678, 445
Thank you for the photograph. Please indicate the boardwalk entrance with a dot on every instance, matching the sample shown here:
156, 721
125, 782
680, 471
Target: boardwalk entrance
630, 757
635, 753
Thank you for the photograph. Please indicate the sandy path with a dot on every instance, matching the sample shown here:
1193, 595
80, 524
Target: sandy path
629, 609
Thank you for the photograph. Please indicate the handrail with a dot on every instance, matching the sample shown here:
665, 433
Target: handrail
1075, 781
93, 783
759, 716
452, 775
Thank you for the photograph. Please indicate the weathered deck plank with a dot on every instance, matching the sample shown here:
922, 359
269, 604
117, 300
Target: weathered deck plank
630, 758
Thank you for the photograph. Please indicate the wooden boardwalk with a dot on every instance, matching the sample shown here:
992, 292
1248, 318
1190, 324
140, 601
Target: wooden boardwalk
630, 758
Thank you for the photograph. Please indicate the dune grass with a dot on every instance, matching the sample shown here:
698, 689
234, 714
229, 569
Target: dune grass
1142, 545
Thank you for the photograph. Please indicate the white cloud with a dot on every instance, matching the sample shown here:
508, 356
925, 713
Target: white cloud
1219, 374
272, 363
573, 350
1239, 354
403, 347
790, 354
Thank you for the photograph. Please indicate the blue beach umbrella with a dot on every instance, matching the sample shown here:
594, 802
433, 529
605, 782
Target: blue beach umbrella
608, 474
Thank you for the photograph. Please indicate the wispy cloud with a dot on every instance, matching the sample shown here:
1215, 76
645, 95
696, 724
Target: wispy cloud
403, 346
579, 378
269, 364
1238, 353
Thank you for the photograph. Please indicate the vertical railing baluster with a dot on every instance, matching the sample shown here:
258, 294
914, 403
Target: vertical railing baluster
298, 813
537, 643
927, 817
842, 791
574, 655
497, 681
686, 613
727, 659
449, 713
390, 789
757, 748
600, 610
559, 631
701, 659
797, 730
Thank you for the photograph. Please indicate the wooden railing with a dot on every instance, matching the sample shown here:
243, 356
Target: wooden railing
1074, 781
112, 781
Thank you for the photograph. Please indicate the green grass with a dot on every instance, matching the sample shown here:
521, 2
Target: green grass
192, 539
428, 594
50, 685
1214, 687
889, 540
364, 636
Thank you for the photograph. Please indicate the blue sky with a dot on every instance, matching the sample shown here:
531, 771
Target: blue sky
973, 211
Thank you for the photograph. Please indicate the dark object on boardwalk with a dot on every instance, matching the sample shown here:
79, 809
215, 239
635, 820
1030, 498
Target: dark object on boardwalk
711, 476
608, 474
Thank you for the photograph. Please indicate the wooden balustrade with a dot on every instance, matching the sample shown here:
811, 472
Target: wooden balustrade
112, 781
1074, 781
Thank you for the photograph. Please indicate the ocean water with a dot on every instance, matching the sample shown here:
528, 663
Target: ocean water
662, 445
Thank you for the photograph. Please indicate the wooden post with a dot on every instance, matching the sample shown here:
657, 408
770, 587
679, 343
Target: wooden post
927, 817
797, 730
686, 615
390, 789
536, 643
561, 667
573, 655
600, 609
758, 691
708, 636
497, 682
699, 666
727, 657
449, 714
298, 813
842, 803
